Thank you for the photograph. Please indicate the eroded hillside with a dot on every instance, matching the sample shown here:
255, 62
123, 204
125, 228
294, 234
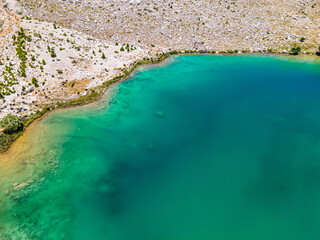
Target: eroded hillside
189, 24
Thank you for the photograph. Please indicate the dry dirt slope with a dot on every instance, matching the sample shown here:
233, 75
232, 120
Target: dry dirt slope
188, 24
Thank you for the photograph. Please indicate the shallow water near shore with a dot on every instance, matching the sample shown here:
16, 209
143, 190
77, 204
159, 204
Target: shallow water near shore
201, 148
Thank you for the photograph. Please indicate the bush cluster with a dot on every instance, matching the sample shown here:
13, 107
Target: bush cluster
295, 50
11, 124
20, 49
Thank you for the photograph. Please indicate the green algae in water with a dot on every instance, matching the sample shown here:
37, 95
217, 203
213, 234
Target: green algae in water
205, 147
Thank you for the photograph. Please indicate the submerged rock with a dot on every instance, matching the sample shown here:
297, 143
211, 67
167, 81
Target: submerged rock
150, 146
159, 113
21, 186
15, 184
104, 189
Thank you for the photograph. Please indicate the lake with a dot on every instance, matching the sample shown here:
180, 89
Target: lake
199, 148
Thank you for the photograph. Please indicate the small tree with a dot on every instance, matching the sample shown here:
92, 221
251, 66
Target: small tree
35, 82
52, 53
302, 39
11, 124
295, 50
103, 56
318, 53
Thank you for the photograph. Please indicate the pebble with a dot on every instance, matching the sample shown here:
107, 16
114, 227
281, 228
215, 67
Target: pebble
20, 186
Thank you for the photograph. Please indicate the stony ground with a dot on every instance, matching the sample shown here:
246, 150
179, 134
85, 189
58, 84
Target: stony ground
87, 36
183, 24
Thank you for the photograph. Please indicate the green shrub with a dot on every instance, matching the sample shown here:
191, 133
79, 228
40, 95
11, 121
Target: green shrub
35, 82
295, 50
11, 124
52, 53
318, 53
173, 52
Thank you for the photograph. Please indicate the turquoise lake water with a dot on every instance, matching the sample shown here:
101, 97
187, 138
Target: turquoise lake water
201, 148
